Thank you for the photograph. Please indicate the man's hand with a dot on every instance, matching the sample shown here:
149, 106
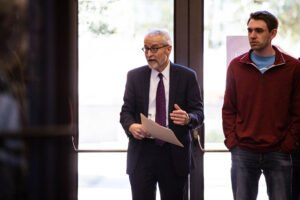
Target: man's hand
179, 116
137, 131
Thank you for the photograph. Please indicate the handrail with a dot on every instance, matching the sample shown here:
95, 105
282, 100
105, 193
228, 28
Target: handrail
57, 131
208, 150
124, 151
96, 150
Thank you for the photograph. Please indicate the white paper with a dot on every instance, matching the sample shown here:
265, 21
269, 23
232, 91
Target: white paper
159, 132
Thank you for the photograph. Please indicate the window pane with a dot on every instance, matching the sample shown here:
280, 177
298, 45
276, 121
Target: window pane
111, 34
225, 18
110, 41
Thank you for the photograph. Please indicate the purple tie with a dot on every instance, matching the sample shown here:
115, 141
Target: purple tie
160, 116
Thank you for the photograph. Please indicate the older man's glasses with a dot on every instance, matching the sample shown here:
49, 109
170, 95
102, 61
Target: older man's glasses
153, 49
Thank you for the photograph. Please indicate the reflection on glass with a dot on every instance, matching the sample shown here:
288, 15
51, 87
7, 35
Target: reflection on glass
12, 98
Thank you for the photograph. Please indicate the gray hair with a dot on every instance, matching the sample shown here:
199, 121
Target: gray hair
165, 35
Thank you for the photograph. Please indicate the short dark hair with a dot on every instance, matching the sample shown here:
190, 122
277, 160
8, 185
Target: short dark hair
267, 17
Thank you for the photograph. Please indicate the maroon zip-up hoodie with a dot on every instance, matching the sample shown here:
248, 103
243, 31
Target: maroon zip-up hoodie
261, 112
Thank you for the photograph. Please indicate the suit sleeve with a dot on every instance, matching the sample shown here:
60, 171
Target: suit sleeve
127, 115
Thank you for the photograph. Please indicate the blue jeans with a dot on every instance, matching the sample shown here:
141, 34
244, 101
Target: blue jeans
247, 167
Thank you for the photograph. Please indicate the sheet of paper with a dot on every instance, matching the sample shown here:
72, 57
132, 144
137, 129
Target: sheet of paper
159, 132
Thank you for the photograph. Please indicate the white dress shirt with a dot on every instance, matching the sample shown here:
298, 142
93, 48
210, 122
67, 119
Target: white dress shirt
154, 79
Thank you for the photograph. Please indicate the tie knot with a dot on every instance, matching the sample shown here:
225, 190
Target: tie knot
160, 75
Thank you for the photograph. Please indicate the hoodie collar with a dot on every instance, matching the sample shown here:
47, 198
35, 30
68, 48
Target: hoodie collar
279, 58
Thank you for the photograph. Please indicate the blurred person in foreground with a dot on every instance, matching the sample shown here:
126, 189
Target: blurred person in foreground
261, 113
150, 162
10, 155
13, 164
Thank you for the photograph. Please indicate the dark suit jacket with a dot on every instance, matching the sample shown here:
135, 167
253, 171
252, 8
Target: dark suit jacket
184, 91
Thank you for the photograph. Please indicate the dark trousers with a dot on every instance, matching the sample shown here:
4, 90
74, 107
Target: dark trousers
154, 168
296, 175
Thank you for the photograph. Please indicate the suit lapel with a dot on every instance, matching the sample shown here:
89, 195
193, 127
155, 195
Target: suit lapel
145, 89
173, 85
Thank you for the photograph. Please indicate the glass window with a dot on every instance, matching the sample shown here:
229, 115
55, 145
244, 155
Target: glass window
224, 19
111, 34
110, 41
